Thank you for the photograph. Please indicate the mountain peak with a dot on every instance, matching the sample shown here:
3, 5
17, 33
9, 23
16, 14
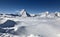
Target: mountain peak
24, 13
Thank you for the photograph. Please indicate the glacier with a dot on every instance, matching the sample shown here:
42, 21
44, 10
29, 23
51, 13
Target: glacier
30, 25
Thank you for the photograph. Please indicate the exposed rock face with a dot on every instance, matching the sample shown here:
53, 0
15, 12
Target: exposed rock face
23, 13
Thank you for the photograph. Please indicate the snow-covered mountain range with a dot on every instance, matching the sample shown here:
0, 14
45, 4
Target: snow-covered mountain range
23, 13
25, 24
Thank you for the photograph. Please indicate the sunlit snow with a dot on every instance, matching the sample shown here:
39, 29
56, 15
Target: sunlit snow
27, 25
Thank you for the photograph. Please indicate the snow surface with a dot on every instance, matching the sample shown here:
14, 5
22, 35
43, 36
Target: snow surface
42, 25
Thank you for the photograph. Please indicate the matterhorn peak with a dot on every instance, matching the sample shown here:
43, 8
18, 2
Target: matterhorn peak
24, 13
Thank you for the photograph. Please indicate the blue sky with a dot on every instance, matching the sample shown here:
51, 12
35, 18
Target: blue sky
32, 6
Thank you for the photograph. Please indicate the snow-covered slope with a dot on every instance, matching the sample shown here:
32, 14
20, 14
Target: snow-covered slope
28, 25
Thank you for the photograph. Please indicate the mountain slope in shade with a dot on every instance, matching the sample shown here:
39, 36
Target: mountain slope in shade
8, 23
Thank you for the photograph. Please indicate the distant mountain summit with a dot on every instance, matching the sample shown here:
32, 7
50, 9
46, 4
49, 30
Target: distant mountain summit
24, 13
